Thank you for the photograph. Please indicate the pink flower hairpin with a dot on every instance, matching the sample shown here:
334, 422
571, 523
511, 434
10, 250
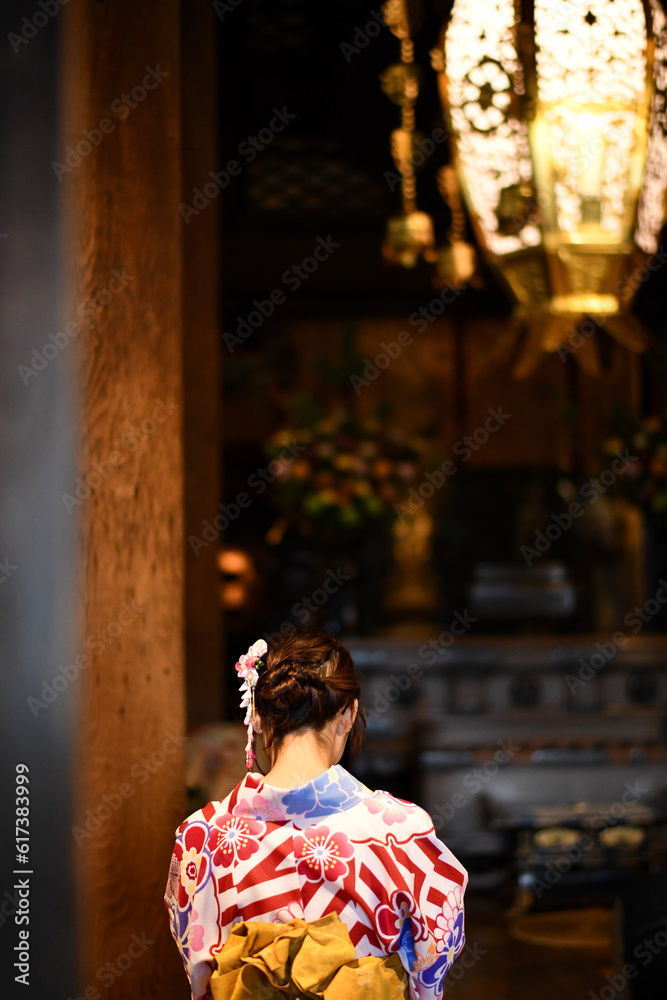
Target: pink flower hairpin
246, 668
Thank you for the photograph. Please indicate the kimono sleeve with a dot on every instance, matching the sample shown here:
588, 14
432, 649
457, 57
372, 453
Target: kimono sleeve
192, 903
432, 932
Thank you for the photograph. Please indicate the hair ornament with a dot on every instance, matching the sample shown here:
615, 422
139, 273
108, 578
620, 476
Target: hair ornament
246, 668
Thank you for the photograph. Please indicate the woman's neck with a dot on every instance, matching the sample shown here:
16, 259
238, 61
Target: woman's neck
300, 758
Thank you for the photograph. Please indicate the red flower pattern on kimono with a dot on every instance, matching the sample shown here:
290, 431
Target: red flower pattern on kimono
389, 919
320, 854
292, 912
195, 863
234, 837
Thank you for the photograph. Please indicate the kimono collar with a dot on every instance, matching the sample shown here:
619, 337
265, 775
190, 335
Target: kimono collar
333, 791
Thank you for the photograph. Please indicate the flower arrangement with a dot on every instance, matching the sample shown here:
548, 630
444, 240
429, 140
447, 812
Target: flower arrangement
645, 481
348, 475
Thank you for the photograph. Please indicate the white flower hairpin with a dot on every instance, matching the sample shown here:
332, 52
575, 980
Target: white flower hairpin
247, 669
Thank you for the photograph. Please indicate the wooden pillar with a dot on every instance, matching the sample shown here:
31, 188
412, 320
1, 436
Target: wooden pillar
121, 175
201, 364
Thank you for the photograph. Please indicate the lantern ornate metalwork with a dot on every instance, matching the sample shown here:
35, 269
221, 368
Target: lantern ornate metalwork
557, 118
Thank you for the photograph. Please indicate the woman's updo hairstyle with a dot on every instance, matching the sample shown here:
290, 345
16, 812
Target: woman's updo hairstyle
308, 678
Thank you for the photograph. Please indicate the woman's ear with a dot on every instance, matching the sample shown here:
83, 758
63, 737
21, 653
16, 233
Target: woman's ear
256, 724
347, 717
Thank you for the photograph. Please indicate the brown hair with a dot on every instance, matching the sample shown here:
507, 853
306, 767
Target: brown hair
308, 678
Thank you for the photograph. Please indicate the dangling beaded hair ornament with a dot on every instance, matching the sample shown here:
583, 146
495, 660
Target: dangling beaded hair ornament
247, 669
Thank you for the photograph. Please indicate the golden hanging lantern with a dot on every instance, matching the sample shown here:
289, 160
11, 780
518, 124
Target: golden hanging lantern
557, 118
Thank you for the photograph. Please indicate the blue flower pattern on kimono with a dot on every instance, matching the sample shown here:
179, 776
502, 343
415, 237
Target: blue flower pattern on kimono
456, 939
331, 792
433, 977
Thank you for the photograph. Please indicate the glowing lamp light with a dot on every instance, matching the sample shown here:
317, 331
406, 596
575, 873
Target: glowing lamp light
558, 124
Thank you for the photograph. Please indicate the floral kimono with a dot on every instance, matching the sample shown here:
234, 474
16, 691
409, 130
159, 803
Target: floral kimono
328, 846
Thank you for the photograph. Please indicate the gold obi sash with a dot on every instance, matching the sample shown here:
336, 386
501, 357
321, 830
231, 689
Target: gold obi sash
302, 961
